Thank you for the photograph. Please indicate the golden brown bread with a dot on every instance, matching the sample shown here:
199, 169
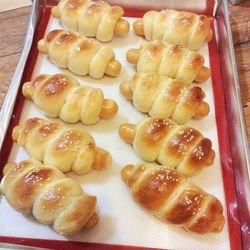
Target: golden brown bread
176, 146
61, 95
160, 96
59, 146
184, 28
91, 19
53, 199
170, 60
79, 54
173, 199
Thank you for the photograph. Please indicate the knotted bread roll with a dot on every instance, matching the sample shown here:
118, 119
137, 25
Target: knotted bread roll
173, 199
59, 146
91, 19
164, 97
79, 54
61, 95
184, 28
170, 60
44, 191
176, 146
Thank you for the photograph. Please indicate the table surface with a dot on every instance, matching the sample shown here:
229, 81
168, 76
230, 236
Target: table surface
14, 15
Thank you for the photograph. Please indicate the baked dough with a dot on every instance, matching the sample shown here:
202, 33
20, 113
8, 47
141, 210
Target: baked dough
170, 60
184, 28
81, 55
92, 19
60, 95
160, 96
173, 199
178, 147
53, 199
59, 146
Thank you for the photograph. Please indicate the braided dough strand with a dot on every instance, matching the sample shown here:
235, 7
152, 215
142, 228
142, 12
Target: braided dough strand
173, 199
64, 148
178, 147
92, 19
44, 191
79, 54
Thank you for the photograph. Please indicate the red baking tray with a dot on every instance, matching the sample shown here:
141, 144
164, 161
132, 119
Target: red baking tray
228, 111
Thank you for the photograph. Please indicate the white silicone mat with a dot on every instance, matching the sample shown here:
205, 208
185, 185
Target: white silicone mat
122, 221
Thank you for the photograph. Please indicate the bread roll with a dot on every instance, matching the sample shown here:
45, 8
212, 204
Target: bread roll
53, 199
81, 55
184, 28
92, 19
171, 60
60, 95
59, 146
173, 199
178, 147
160, 96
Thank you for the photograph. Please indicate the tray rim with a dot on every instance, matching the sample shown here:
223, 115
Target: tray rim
238, 134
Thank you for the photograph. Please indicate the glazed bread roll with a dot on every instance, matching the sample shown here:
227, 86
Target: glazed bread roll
184, 28
160, 96
176, 146
173, 199
62, 96
170, 60
59, 146
81, 55
91, 19
53, 199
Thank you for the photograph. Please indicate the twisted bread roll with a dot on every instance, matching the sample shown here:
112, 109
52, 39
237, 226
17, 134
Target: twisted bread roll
61, 95
184, 28
65, 148
91, 19
170, 60
164, 97
172, 199
79, 54
44, 191
178, 147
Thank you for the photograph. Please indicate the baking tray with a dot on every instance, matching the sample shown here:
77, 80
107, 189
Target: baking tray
234, 156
